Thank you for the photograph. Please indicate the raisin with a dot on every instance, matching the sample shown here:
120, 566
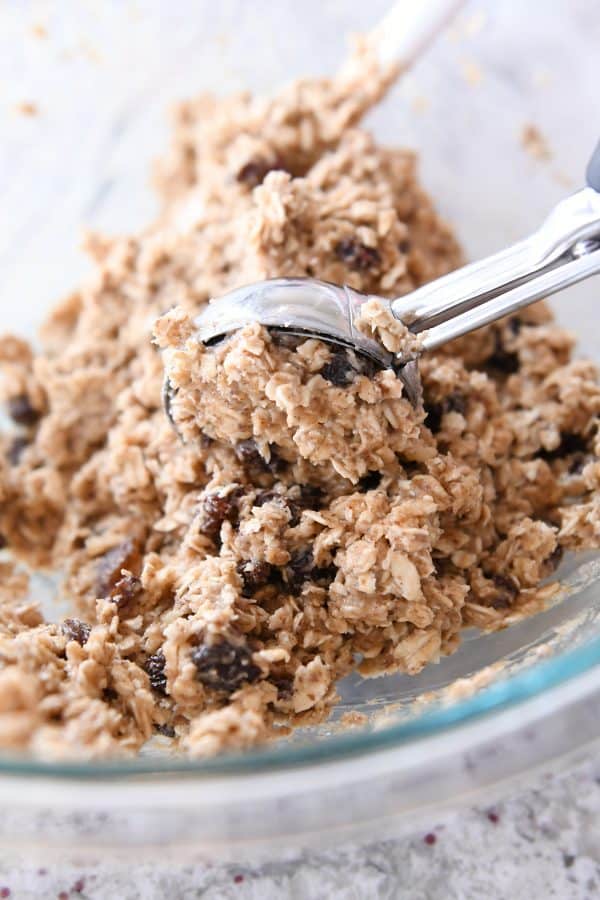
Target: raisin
324, 575
569, 443
404, 246
127, 588
577, 464
356, 255
268, 497
22, 412
155, 669
508, 590
250, 456
554, 560
369, 482
515, 324
16, 448
248, 453
124, 556
433, 418
454, 402
255, 171
216, 509
443, 566
255, 574
503, 361
284, 685
339, 371
109, 695
224, 666
298, 569
311, 496
301, 568
166, 730
76, 630
276, 463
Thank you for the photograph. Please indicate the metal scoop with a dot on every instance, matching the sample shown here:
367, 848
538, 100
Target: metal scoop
563, 251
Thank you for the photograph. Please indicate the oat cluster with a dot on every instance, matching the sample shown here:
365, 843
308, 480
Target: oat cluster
303, 520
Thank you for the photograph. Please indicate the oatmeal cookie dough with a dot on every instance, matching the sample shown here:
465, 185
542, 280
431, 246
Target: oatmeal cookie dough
301, 520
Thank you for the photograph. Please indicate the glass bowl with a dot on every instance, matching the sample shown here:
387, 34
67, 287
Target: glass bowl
102, 78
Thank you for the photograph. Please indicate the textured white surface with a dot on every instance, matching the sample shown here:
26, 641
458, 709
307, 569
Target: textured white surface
102, 79
541, 844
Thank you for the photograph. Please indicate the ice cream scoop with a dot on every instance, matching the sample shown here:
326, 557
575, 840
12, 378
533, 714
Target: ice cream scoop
564, 250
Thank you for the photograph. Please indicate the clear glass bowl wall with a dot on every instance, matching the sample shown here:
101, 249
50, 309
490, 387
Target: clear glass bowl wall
102, 80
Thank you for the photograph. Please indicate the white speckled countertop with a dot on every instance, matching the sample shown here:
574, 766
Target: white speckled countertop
84, 87
542, 843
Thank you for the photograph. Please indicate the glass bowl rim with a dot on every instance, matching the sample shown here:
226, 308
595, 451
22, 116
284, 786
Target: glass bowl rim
507, 692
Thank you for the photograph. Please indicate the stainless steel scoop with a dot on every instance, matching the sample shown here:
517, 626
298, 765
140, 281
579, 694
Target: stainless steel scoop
563, 251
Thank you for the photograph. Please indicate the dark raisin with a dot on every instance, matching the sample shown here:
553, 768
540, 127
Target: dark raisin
123, 556
16, 448
339, 371
456, 402
568, 860
166, 730
255, 574
284, 685
276, 463
218, 508
506, 363
155, 669
248, 453
311, 496
410, 466
515, 324
268, 497
569, 443
324, 575
404, 246
507, 591
502, 360
127, 589
370, 481
577, 464
554, 560
109, 695
255, 171
356, 255
298, 570
433, 418
295, 509
443, 566
22, 412
250, 456
76, 630
224, 666
453, 402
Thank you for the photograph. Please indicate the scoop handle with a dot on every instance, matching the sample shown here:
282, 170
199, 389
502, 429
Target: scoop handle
592, 174
409, 28
563, 251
